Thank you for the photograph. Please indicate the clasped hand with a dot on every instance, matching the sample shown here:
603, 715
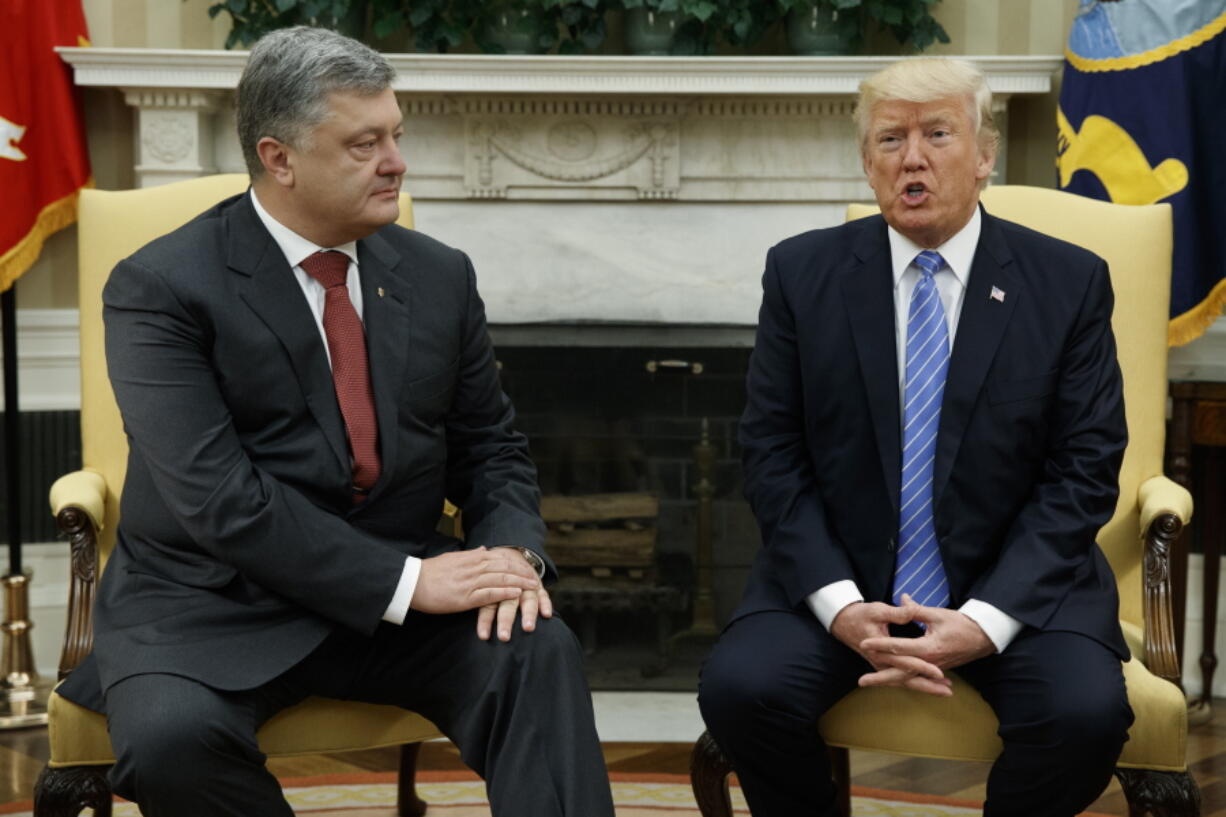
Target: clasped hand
950, 640
498, 581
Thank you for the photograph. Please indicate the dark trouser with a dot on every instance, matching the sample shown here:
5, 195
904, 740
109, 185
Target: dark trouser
1060, 699
519, 712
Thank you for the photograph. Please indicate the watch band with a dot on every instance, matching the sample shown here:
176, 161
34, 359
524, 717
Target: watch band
538, 564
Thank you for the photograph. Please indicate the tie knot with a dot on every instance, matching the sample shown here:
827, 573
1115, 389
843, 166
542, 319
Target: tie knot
929, 262
330, 268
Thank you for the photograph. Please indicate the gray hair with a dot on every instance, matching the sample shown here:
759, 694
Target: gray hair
925, 79
283, 92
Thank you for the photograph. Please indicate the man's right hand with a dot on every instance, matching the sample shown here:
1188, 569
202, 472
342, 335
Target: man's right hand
467, 579
863, 620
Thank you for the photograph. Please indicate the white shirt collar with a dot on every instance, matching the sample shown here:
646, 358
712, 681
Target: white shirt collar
293, 246
958, 251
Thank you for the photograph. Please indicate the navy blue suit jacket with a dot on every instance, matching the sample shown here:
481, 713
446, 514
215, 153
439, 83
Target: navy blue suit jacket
1029, 448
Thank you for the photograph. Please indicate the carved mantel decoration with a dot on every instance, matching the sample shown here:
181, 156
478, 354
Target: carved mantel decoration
627, 189
607, 150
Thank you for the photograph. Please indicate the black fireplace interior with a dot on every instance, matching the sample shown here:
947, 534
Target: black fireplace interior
626, 420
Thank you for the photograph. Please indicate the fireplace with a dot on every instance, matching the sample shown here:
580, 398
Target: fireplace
636, 412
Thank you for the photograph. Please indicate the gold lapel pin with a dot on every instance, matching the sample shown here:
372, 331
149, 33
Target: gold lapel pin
380, 291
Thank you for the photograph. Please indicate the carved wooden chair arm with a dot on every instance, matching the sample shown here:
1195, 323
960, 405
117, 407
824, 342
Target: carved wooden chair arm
78, 501
1165, 508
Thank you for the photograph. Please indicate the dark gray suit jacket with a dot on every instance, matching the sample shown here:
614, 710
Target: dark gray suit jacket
238, 548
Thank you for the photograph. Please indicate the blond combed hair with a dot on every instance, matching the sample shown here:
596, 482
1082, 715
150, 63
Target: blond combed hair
926, 79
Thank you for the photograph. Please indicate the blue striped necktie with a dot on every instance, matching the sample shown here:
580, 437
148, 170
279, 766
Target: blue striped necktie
919, 571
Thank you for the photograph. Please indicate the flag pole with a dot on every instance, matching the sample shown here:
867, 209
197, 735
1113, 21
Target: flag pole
12, 436
23, 698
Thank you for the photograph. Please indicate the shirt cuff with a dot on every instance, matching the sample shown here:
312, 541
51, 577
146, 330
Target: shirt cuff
827, 602
399, 608
1000, 628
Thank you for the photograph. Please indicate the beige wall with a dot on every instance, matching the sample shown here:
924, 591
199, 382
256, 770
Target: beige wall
1005, 26
1016, 27
975, 27
155, 24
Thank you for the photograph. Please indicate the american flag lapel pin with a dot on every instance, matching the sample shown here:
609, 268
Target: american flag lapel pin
997, 294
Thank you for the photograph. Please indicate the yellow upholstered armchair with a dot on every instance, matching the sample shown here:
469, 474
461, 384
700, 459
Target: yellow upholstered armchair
1136, 242
86, 505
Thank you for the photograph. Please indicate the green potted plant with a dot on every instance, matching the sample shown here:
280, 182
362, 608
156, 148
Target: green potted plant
829, 27
910, 21
818, 28
682, 27
583, 23
503, 26
436, 25
660, 27
743, 23
516, 27
252, 19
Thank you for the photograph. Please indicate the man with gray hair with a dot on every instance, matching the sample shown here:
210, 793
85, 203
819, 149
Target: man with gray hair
932, 439
302, 383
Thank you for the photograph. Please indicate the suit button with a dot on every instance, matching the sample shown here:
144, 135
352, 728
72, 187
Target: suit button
889, 545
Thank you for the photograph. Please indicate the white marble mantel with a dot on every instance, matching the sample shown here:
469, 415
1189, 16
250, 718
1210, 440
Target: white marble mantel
587, 189
498, 74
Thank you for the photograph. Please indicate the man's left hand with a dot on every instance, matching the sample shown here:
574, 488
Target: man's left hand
533, 603
950, 640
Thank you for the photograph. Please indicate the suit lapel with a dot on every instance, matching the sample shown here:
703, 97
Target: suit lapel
868, 294
385, 314
981, 326
268, 286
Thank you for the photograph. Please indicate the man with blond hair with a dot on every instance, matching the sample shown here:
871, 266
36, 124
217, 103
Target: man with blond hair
932, 439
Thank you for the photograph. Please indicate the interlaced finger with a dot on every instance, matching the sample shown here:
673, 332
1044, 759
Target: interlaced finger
529, 604
906, 663
506, 618
485, 620
898, 677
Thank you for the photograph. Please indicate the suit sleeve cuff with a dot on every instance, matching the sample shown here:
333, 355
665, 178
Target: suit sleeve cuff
827, 602
1000, 628
399, 608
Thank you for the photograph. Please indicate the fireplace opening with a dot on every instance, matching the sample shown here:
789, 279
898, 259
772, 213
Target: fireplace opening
642, 493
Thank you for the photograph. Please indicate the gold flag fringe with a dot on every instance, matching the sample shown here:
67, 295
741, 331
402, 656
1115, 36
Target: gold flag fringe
1192, 324
54, 217
1129, 61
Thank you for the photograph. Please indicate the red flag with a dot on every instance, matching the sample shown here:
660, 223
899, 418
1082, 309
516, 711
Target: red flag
43, 159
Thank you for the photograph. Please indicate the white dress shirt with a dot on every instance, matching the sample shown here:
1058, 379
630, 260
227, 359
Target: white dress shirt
296, 249
959, 253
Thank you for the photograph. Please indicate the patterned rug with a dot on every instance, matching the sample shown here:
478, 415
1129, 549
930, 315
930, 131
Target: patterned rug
461, 794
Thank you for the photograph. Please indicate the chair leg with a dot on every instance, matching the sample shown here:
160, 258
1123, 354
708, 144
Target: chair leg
408, 804
709, 771
1159, 794
840, 767
65, 792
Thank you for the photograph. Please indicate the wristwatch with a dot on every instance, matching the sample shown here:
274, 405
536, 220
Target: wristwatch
538, 564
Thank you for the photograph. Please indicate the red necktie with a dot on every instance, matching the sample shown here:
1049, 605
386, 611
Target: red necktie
350, 372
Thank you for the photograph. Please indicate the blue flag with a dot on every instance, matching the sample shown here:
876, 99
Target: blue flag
1142, 119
